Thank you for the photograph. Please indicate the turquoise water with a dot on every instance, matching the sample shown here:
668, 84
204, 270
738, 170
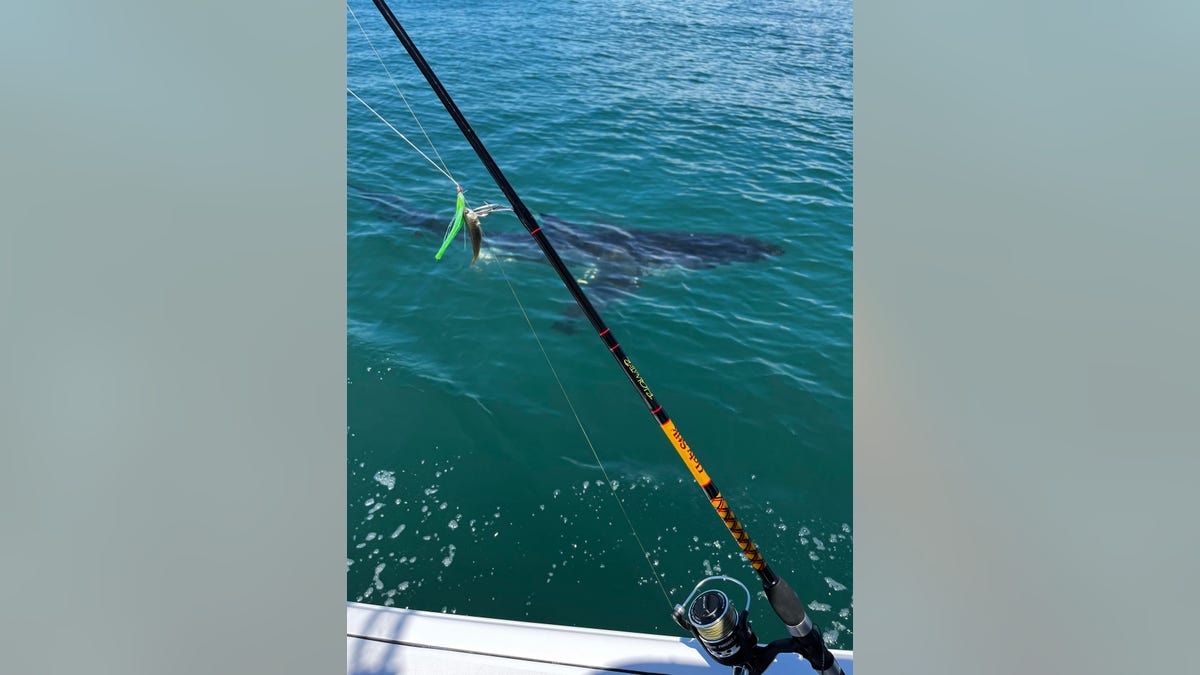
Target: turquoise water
471, 487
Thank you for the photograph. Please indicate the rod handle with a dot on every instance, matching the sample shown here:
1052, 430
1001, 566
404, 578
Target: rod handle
805, 633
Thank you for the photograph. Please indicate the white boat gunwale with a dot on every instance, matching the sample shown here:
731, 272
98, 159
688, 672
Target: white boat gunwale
387, 640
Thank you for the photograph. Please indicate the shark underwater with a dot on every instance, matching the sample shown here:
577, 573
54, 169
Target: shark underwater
621, 256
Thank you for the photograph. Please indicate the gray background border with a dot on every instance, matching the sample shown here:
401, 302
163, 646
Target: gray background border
172, 427
172, 460
1025, 321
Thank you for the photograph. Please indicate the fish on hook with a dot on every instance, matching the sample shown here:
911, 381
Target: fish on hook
474, 232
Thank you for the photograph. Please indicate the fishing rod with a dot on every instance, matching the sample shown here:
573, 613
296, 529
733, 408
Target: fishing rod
710, 617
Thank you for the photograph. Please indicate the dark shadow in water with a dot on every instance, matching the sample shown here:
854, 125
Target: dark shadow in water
616, 258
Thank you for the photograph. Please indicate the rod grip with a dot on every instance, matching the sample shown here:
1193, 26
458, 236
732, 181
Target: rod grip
787, 606
805, 633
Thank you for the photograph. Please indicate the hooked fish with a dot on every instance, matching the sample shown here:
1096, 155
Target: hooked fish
474, 232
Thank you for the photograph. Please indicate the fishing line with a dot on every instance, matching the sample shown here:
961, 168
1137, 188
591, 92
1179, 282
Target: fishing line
402, 97
445, 170
583, 430
414, 147
607, 481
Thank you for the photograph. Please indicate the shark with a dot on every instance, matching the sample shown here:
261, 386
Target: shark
620, 256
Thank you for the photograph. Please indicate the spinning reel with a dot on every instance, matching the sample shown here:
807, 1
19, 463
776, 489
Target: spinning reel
726, 634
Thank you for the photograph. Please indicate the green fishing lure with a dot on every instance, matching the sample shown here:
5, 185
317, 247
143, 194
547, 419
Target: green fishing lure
455, 226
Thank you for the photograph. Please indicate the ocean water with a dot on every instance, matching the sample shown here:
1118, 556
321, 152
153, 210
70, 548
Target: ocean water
472, 488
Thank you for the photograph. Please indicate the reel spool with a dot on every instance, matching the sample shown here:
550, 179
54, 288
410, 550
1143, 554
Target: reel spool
723, 632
